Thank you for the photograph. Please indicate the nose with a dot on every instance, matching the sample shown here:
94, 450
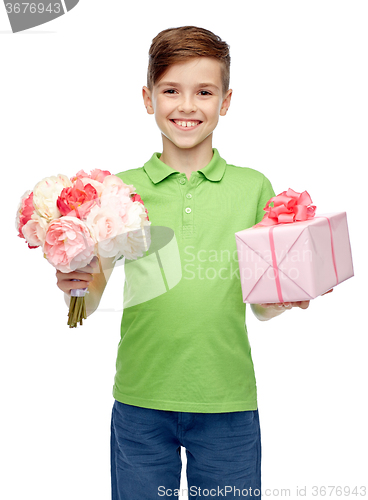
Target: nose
187, 104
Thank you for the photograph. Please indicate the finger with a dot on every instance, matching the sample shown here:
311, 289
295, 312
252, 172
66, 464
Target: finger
279, 305
329, 291
304, 304
269, 304
80, 276
75, 285
68, 285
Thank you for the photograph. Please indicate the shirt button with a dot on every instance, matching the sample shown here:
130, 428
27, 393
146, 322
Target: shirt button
188, 210
182, 181
188, 195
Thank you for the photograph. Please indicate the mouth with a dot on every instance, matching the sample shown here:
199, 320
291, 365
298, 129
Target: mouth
186, 124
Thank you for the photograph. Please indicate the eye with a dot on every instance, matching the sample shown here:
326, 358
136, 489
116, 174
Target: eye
204, 92
169, 91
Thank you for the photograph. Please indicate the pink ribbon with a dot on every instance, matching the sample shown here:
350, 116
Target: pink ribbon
274, 264
288, 207
332, 245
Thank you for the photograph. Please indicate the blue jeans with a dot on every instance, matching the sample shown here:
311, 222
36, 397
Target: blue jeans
223, 453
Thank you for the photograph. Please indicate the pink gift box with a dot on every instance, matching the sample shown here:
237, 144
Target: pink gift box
295, 261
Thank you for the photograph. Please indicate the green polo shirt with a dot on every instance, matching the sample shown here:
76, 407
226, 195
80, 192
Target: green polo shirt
184, 344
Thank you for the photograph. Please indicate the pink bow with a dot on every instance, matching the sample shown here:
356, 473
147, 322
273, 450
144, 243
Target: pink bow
289, 206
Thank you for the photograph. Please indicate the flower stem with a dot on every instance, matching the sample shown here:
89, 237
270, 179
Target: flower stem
77, 311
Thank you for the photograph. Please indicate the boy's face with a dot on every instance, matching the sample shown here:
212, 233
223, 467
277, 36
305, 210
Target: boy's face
188, 100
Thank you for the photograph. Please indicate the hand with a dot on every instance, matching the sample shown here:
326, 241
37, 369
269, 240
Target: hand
84, 276
304, 304
280, 306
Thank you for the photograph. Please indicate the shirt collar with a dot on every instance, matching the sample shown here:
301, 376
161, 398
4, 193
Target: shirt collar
158, 170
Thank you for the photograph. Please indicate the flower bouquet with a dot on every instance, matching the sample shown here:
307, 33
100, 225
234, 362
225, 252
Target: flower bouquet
75, 219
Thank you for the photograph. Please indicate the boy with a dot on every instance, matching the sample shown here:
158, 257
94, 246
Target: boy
184, 374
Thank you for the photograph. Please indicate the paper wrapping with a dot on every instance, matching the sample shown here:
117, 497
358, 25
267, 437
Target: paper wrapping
296, 261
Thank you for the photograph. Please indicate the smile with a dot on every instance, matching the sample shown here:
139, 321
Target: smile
186, 124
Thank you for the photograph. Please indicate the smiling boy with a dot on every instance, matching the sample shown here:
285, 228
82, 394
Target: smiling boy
184, 371
187, 103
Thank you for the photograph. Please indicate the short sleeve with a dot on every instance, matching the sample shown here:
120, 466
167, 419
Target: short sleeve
266, 193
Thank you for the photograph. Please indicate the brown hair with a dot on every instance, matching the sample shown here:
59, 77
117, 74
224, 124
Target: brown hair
176, 45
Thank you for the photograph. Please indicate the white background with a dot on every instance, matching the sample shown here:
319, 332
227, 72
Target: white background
71, 99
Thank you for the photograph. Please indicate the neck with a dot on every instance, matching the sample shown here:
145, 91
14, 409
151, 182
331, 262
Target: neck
187, 160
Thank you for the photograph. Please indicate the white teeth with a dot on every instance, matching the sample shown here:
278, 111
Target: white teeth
186, 124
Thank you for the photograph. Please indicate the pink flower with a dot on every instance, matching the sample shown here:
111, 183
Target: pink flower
106, 225
24, 214
99, 175
96, 174
77, 200
97, 185
69, 244
116, 196
35, 231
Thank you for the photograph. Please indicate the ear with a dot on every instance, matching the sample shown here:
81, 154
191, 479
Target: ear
147, 100
226, 102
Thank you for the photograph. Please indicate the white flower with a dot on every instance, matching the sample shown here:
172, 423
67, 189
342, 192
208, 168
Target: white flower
137, 237
135, 214
135, 243
46, 193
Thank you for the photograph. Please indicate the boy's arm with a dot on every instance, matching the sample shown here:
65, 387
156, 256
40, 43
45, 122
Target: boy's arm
95, 276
